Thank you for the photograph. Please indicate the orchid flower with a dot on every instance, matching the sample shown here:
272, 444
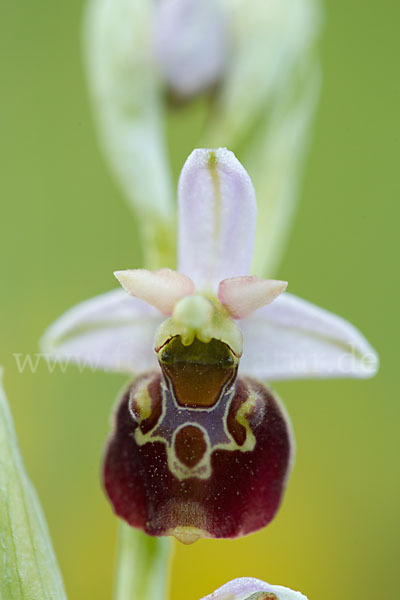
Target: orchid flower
201, 446
248, 588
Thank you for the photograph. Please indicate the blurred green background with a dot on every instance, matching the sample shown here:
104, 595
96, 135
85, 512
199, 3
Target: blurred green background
65, 227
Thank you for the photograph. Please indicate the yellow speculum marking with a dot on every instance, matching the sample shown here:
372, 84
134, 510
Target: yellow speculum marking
143, 402
242, 418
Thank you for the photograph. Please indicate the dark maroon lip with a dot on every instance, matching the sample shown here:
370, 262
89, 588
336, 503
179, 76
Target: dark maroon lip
219, 472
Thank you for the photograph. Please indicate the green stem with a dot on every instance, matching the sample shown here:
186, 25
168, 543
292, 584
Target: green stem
142, 566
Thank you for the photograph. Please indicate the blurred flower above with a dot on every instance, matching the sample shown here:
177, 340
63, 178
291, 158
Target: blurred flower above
232, 73
191, 44
248, 588
201, 448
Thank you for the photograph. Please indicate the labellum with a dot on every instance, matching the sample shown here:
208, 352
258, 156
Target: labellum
197, 451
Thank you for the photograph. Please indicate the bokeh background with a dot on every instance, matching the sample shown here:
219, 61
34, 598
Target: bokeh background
65, 227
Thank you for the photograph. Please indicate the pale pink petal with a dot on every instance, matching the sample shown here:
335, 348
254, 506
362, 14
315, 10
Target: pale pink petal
162, 289
217, 215
243, 588
113, 332
292, 338
190, 43
244, 295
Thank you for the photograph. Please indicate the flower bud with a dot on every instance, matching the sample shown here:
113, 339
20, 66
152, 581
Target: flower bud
191, 44
248, 588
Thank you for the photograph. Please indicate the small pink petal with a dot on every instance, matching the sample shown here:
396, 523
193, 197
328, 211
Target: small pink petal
244, 295
162, 289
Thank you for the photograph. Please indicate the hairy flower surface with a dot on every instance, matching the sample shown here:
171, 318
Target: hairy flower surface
201, 447
248, 588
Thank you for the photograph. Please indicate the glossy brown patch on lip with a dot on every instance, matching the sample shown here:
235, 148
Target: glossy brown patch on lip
198, 372
190, 445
